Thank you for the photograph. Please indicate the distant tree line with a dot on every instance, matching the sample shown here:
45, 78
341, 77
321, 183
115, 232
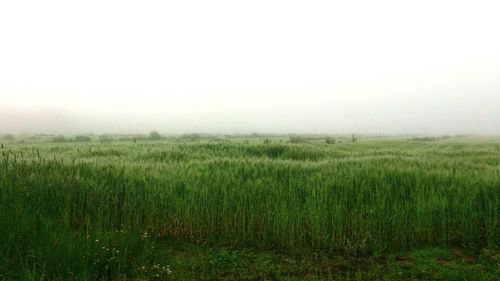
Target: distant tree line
79, 138
430, 138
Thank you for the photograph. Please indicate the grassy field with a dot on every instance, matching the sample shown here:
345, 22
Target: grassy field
199, 208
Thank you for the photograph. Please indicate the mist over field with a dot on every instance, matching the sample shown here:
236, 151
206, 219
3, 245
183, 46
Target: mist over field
445, 114
270, 67
249, 140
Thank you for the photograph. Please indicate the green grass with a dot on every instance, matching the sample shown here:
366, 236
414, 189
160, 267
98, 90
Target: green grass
244, 206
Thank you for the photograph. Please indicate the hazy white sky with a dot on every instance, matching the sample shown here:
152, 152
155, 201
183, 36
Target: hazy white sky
250, 66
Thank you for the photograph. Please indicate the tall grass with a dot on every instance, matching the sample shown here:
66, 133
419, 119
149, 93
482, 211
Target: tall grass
56, 200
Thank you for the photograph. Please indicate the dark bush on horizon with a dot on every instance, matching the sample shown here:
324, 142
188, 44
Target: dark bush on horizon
154, 135
60, 139
82, 138
8, 137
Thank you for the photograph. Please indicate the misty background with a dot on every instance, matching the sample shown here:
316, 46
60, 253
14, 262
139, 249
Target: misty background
375, 67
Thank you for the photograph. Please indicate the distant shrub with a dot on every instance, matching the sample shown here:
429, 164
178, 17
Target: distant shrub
192, 136
133, 138
426, 138
330, 140
297, 139
154, 135
354, 138
105, 138
8, 137
59, 139
267, 141
82, 138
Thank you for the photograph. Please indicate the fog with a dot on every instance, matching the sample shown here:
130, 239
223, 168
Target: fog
375, 67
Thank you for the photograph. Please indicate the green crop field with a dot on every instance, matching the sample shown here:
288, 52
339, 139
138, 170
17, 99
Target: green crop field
206, 208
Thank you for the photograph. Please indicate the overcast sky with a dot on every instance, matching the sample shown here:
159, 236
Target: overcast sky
385, 67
